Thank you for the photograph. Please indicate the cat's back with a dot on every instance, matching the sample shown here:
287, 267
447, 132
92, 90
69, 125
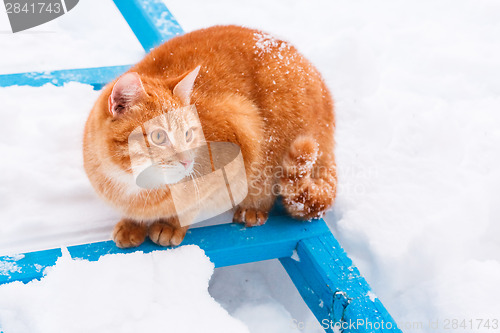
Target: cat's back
232, 58
213, 47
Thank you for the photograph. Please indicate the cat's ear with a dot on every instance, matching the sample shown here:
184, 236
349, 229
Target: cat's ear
184, 88
127, 90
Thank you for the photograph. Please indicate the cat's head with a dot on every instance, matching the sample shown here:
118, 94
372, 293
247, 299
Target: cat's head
153, 129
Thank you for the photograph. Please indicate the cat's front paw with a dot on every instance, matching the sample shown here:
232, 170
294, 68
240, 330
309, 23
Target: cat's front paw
165, 234
128, 233
250, 216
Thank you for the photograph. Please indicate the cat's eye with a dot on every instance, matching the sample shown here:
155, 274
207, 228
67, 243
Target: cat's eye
189, 135
159, 137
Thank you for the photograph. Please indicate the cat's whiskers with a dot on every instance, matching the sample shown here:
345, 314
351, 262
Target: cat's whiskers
134, 197
146, 201
196, 172
196, 190
194, 184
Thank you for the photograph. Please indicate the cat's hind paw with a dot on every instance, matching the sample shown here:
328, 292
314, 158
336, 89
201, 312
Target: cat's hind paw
128, 233
250, 216
164, 234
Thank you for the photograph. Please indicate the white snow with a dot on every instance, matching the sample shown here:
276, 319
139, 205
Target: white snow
92, 34
264, 43
45, 197
265, 317
295, 256
8, 267
417, 92
371, 295
162, 291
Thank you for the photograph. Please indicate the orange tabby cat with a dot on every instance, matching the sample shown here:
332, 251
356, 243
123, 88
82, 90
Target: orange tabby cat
249, 89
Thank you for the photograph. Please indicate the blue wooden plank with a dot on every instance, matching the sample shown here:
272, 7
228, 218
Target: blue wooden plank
227, 244
334, 289
150, 20
97, 77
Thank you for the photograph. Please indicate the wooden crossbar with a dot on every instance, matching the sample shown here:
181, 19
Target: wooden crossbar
325, 277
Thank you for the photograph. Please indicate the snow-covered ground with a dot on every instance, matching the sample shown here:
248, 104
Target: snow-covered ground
162, 291
417, 91
93, 34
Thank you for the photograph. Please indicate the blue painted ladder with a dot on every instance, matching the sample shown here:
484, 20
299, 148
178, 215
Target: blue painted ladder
325, 277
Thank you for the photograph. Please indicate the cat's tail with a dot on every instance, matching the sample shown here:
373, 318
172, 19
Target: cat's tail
308, 182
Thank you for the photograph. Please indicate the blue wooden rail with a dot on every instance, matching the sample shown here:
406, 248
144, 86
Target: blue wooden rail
325, 277
97, 77
225, 245
150, 20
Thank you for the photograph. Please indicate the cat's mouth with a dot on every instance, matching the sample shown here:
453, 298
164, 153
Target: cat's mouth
158, 174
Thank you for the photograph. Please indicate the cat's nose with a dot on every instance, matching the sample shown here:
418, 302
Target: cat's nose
186, 164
